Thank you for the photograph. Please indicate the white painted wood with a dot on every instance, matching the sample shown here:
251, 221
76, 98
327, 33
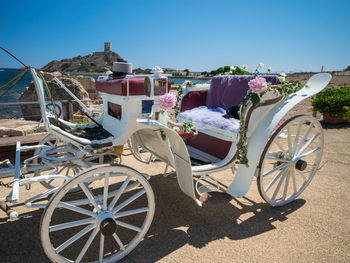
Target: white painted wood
261, 134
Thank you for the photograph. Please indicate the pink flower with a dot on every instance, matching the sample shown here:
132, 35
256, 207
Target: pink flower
257, 85
167, 101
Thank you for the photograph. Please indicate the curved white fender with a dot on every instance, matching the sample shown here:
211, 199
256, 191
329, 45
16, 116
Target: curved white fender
172, 149
182, 164
256, 143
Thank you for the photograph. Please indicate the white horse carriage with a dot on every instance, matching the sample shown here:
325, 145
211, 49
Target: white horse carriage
100, 212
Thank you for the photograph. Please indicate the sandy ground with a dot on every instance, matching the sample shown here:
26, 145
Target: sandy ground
313, 228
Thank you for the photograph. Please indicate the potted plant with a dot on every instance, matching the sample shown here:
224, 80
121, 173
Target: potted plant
334, 104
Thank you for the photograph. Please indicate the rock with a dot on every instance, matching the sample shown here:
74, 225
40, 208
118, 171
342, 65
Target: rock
32, 111
48, 76
89, 85
98, 62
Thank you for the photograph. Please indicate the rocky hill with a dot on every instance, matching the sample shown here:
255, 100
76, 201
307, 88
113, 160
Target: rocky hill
100, 62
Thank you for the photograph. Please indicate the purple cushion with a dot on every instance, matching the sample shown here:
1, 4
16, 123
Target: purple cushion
229, 90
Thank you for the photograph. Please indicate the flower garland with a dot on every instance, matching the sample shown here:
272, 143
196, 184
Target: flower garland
168, 102
257, 88
179, 97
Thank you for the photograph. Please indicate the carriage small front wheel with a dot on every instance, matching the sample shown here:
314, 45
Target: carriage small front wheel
290, 160
103, 222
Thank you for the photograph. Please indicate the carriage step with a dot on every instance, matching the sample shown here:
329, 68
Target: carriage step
215, 197
12, 214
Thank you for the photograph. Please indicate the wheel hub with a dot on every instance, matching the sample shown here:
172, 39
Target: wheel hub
301, 165
108, 227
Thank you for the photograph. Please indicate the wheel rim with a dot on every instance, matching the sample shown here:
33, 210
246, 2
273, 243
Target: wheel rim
290, 160
138, 151
118, 198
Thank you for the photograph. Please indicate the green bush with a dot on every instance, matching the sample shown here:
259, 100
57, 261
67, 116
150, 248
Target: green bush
223, 70
334, 101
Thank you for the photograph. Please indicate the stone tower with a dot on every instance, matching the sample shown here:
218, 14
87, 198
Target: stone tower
108, 47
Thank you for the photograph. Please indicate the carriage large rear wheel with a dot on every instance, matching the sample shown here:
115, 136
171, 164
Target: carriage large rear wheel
103, 222
290, 160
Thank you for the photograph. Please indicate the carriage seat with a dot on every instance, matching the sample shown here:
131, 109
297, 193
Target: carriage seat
81, 134
119, 86
206, 108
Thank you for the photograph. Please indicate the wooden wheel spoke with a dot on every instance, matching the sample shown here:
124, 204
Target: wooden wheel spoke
119, 193
74, 238
310, 152
101, 250
89, 195
75, 169
290, 145
302, 141
312, 164
278, 186
275, 179
128, 226
76, 209
68, 169
105, 191
293, 180
119, 242
71, 224
128, 201
60, 170
296, 138
87, 245
132, 212
278, 159
286, 185
280, 146
281, 166
308, 143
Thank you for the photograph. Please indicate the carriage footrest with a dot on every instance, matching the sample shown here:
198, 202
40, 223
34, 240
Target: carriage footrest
215, 197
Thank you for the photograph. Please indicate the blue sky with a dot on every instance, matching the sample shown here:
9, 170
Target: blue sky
196, 34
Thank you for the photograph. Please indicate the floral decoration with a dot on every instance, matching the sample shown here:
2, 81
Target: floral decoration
257, 88
167, 101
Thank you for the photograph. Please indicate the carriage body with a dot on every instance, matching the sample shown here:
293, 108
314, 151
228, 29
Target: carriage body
131, 114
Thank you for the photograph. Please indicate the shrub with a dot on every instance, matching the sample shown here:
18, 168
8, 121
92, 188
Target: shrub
334, 101
65, 66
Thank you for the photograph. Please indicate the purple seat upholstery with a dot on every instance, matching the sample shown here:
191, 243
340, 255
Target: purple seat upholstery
228, 91
224, 92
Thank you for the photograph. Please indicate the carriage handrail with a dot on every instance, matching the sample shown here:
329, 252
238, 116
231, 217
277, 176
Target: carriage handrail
72, 95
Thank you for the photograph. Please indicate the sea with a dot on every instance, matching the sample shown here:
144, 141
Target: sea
13, 95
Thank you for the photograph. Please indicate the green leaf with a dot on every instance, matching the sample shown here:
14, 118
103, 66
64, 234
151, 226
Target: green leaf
254, 98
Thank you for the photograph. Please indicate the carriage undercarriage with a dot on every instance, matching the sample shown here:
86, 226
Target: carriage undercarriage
111, 206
